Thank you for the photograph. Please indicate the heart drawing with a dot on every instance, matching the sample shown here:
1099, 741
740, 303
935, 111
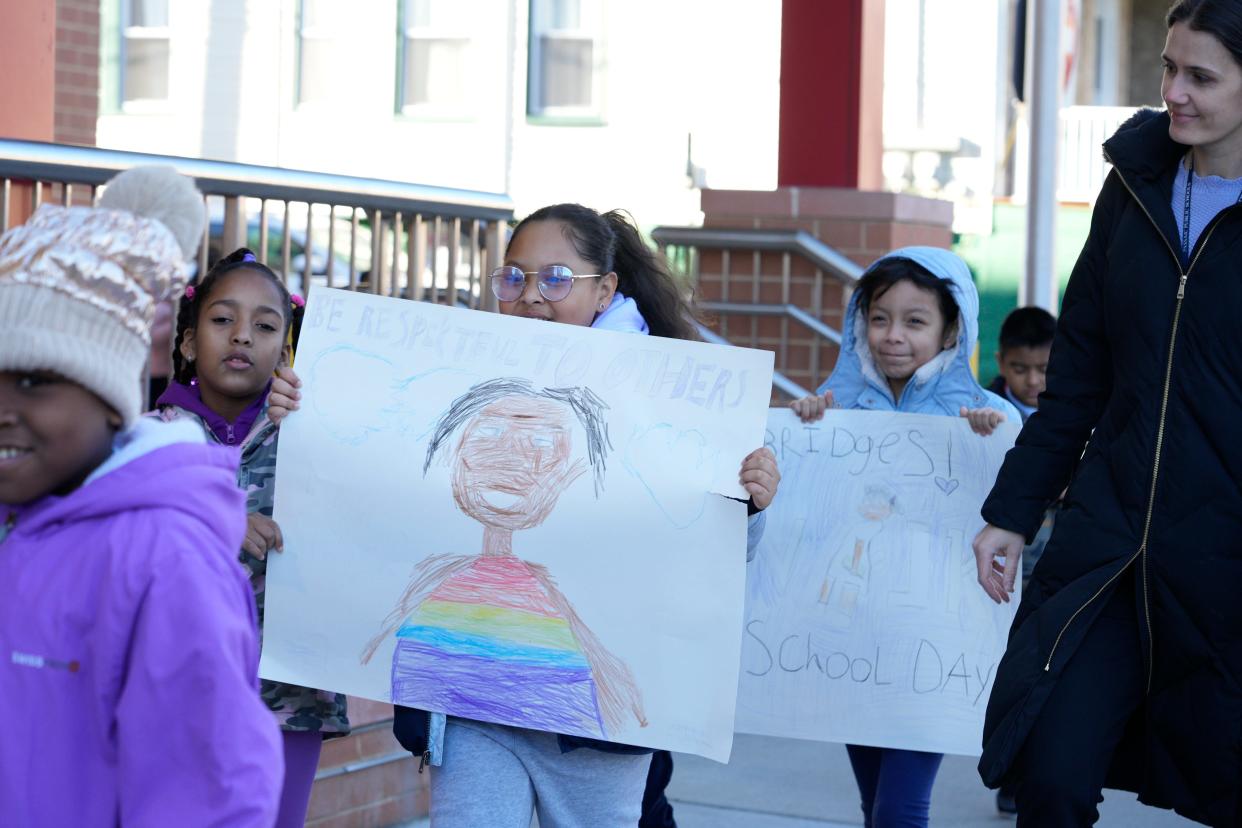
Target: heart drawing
675, 467
947, 486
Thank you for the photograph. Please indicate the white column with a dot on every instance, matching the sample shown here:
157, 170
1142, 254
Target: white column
1039, 286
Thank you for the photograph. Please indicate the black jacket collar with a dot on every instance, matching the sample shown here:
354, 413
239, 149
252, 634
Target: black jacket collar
1142, 147
1146, 159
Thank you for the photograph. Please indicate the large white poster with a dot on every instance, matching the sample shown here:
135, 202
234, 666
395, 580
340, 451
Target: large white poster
864, 622
515, 521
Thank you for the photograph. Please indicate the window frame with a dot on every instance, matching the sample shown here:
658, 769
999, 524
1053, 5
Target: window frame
460, 110
126, 31
321, 34
591, 27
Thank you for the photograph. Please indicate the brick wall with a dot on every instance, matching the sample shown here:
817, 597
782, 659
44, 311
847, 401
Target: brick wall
358, 784
860, 225
77, 71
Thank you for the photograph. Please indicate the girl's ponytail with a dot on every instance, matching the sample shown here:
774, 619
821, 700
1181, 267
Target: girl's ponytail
643, 275
187, 316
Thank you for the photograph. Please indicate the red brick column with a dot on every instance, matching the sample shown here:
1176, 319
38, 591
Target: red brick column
832, 83
860, 225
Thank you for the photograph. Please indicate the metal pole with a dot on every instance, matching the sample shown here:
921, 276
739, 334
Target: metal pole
1039, 284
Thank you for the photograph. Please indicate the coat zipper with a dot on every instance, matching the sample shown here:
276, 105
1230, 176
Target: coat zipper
425, 759
1155, 471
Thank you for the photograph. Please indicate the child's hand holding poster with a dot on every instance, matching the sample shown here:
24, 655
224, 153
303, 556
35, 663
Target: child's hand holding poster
865, 622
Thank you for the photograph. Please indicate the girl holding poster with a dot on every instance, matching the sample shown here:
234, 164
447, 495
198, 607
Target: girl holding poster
564, 263
233, 328
910, 330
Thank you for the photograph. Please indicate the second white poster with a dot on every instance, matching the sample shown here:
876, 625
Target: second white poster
864, 620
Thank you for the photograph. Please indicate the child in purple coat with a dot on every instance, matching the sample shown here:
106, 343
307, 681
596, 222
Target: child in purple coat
128, 648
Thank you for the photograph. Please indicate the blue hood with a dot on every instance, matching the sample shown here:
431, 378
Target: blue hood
942, 386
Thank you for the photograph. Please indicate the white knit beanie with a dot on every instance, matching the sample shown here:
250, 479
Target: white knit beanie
78, 290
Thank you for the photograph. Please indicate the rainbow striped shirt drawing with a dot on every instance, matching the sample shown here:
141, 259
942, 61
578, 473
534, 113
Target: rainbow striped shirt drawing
489, 644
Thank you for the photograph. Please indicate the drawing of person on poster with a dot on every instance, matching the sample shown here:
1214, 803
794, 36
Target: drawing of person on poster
490, 636
848, 576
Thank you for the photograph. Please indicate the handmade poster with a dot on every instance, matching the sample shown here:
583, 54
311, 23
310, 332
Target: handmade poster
865, 622
514, 521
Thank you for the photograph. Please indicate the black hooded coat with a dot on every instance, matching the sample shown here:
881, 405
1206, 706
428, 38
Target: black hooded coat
1146, 373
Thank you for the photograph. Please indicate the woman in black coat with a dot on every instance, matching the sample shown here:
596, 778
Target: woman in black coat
1124, 665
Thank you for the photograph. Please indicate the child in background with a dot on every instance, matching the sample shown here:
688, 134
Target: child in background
128, 648
233, 329
1025, 345
564, 263
910, 329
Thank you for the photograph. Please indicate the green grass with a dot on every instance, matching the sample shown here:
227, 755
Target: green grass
997, 262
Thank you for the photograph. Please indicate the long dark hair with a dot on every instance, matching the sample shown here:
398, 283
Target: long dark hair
195, 298
611, 242
1220, 18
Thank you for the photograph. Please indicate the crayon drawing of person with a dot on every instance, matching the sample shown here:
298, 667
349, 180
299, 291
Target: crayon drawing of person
490, 636
848, 575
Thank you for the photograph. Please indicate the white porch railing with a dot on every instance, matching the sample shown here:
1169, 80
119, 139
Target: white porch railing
1082, 167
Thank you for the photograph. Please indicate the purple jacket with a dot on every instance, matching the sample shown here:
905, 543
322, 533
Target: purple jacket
128, 649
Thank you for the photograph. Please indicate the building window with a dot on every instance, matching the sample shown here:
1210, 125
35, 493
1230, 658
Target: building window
144, 50
319, 21
434, 56
565, 58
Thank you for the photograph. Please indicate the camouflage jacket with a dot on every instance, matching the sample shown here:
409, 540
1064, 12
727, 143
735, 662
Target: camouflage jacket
296, 708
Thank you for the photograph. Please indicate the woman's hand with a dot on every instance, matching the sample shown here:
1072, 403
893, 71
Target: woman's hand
812, 408
262, 535
998, 579
285, 396
982, 420
760, 477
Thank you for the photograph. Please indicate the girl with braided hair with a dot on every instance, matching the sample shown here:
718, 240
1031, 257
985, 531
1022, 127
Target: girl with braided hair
233, 330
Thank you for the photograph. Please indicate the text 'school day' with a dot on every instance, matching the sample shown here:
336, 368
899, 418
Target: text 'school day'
928, 672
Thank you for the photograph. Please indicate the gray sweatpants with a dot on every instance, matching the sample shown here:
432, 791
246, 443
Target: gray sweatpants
494, 776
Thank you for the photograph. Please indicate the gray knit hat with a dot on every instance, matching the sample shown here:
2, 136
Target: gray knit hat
79, 287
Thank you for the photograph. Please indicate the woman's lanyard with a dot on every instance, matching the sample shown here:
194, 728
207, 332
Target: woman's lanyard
1190, 185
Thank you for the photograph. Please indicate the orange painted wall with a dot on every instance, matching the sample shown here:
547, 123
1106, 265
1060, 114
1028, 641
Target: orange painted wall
28, 65
28, 91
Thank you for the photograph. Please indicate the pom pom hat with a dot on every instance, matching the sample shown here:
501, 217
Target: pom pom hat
79, 285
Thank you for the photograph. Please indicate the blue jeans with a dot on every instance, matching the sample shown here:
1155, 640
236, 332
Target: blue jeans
895, 785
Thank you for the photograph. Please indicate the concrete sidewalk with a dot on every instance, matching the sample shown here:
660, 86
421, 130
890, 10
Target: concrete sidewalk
786, 783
